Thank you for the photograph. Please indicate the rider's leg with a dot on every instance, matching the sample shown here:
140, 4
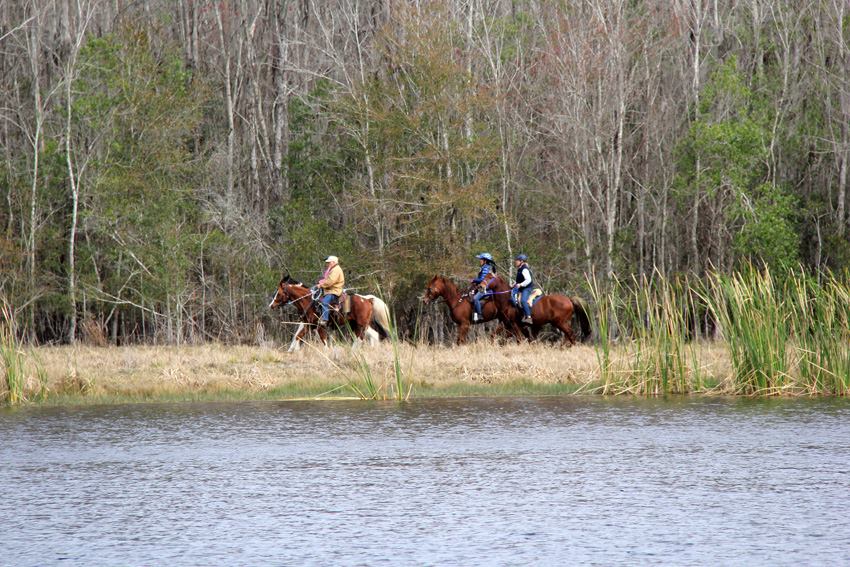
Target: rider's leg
476, 301
326, 301
526, 308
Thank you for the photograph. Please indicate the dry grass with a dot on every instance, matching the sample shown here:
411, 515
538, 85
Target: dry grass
147, 372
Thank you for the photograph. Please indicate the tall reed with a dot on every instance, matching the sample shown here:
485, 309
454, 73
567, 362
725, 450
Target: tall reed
398, 372
368, 386
754, 319
651, 318
821, 325
605, 302
12, 355
660, 313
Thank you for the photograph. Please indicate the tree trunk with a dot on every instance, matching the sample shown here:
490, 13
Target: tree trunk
36, 152
229, 105
281, 102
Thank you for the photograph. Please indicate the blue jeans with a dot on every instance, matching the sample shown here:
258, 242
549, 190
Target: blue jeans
524, 294
476, 301
326, 301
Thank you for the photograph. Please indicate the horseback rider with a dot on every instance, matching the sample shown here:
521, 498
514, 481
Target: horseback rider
331, 284
482, 281
524, 285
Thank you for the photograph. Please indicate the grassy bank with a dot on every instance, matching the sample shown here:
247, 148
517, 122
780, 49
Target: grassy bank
82, 374
786, 336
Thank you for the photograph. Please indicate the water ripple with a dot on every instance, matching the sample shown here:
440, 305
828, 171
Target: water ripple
454, 482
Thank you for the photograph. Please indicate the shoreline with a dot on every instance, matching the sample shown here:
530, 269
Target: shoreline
83, 375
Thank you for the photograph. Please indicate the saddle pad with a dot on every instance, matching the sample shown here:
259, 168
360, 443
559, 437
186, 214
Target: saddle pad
535, 296
345, 301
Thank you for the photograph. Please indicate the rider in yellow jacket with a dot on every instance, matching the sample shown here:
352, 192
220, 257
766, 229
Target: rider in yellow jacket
331, 283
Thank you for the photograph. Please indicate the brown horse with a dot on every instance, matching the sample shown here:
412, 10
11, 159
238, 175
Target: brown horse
365, 311
553, 309
460, 306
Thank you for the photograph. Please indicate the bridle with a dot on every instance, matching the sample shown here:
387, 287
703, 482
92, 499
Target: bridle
432, 296
291, 301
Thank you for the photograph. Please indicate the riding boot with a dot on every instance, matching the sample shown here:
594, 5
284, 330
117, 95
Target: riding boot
527, 320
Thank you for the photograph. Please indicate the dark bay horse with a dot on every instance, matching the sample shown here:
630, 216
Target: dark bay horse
460, 306
552, 309
366, 311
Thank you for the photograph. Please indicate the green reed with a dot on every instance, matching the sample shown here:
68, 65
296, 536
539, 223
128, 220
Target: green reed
398, 371
651, 318
12, 355
754, 319
368, 386
821, 327
605, 303
660, 313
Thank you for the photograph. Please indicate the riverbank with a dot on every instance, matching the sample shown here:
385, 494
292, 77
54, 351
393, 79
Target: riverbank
81, 374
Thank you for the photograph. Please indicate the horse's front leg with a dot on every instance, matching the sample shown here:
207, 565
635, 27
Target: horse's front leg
298, 337
497, 332
516, 330
462, 331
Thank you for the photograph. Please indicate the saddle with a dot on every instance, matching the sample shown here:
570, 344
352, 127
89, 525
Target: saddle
533, 297
341, 304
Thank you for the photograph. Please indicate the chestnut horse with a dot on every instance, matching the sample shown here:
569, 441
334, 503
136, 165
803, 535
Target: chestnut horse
553, 309
460, 306
366, 311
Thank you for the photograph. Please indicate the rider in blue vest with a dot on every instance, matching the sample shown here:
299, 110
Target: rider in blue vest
482, 282
524, 285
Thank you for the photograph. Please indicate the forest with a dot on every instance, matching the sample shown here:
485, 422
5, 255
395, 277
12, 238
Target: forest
165, 162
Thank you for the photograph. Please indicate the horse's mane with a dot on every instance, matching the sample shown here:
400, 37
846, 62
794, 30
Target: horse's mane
287, 279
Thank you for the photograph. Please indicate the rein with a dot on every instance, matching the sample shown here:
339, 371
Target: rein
488, 294
308, 294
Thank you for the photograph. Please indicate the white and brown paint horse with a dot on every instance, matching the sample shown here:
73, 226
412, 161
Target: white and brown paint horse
368, 315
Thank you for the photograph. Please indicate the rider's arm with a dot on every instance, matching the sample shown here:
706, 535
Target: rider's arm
526, 274
485, 269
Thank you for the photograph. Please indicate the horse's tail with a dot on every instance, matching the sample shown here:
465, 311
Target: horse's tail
583, 319
380, 315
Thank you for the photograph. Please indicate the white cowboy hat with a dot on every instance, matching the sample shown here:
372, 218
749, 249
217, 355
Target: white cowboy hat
333, 259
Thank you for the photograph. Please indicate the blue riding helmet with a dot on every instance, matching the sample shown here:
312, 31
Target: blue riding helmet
485, 256
522, 257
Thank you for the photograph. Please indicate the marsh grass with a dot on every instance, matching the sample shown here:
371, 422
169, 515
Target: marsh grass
651, 319
658, 311
751, 311
12, 356
790, 337
402, 389
85, 374
391, 384
23, 374
820, 316
784, 335
605, 301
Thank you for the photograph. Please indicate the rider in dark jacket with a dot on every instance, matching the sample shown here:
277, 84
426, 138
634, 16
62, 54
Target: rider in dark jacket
482, 282
524, 285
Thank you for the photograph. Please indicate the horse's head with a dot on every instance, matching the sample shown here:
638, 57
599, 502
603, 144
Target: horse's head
281, 294
287, 291
435, 288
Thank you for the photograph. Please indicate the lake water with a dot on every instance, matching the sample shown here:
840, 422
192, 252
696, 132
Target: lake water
544, 481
